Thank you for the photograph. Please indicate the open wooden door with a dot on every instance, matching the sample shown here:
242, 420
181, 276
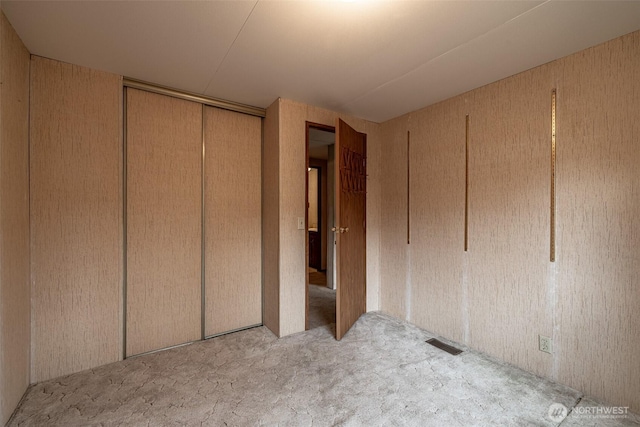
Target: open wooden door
351, 202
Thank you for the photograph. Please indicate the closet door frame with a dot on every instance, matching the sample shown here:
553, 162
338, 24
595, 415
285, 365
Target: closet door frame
205, 103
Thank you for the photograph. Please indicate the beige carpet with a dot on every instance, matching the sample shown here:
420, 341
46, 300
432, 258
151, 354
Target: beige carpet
322, 307
322, 302
382, 373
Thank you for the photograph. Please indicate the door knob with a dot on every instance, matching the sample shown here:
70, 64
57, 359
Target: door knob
340, 230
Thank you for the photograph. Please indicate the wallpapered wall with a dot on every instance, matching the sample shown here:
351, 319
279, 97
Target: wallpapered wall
503, 292
14, 219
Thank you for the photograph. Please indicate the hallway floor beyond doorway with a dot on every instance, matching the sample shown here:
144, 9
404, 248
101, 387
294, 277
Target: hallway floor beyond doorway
382, 373
322, 307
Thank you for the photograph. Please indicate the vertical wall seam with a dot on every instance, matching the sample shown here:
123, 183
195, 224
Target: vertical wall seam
121, 124
32, 344
277, 222
408, 288
465, 299
465, 257
408, 187
262, 216
466, 185
124, 222
31, 293
552, 227
202, 234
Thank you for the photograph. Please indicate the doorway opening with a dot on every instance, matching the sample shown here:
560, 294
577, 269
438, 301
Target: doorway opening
320, 240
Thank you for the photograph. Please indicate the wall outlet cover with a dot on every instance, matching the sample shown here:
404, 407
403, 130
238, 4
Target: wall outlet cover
545, 344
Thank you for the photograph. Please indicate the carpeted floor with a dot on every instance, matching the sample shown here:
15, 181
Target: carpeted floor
322, 302
322, 307
382, 373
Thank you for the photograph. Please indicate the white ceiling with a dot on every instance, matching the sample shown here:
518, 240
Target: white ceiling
372, 59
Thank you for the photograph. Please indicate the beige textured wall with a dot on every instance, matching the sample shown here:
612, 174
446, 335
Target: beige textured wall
504, 291
292, 204
437, 179
598, 270
76, 218
509, 152
270, 218
374, 212
394, 268
14, 220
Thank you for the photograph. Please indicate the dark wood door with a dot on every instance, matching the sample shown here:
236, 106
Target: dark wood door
351, 201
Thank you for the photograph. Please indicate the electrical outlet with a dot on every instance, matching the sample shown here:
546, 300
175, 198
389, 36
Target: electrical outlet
544, 344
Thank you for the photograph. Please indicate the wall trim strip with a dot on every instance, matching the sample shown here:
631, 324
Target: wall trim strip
124, 222
466, 185
213, 102
203, 305
552, 226
408, 187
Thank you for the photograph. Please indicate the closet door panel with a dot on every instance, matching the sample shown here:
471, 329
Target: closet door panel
233, 266
164, 196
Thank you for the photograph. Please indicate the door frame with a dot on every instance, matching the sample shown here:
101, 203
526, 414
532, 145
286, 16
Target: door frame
309, 125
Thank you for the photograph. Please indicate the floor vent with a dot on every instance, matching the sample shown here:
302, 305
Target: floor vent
442, 346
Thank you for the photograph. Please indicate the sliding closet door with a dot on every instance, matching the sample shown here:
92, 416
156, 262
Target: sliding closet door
233, 269
164, 185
